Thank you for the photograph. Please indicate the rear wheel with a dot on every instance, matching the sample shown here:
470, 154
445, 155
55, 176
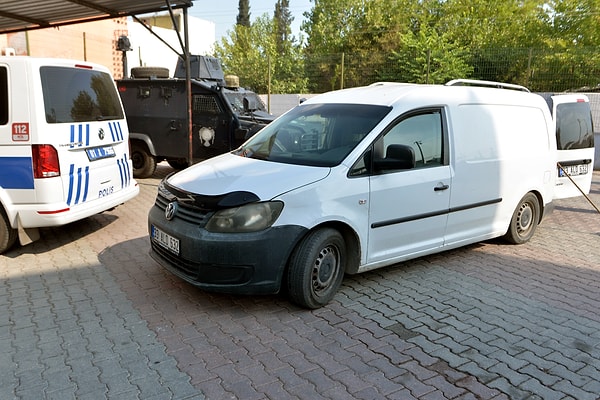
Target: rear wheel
144, 163
316, 268
8, 235
524, 220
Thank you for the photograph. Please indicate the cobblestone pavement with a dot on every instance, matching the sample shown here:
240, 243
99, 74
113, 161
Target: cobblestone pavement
86, 314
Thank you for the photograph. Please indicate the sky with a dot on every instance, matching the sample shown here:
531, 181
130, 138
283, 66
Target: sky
224, 13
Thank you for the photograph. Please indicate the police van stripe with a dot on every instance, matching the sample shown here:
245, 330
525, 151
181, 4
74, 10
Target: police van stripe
80, 140
115, 131
124, 171
77, 182
16, 173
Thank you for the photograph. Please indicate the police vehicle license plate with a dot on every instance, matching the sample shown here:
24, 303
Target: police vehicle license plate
165, 240
573, 170
98, 153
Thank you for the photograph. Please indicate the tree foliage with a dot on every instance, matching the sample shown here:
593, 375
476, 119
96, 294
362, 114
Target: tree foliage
355, 42
263, 61
243, 17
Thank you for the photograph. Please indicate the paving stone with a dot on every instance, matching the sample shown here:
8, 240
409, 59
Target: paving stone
86, 313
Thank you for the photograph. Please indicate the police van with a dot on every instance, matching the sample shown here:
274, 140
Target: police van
64, 152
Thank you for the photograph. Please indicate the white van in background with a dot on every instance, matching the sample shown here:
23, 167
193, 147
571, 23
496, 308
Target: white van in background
64, 152
574, 142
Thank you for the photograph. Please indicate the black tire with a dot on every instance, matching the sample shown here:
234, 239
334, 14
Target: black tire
8, 235
144, 163
316, 268
524, 221
149, 72
178, 164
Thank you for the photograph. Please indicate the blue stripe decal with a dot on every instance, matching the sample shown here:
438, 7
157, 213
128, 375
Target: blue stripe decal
79, 181
70, 195
72, 137
112, 131
16, 173
121, 137
87, 183
116, 131
127, 170
121, 172
80, 137
78, 186
87, 135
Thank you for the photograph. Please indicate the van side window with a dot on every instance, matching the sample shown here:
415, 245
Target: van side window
3, 96
574, 126
421, 132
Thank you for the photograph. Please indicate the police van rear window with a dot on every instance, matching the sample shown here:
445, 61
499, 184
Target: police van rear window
79, 95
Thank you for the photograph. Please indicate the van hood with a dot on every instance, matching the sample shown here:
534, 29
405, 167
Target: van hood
230, 173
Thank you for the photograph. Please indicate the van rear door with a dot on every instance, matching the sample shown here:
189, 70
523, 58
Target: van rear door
575, 144
87, 127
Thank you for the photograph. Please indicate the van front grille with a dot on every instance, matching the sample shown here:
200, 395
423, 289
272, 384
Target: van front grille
185, 212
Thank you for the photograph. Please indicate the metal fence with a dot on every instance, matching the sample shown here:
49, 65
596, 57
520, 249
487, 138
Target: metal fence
541, 70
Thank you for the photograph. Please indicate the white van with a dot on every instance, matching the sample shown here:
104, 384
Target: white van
574, 142
359, 179
64, 152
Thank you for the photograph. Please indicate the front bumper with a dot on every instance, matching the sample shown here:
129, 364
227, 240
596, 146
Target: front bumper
241, 263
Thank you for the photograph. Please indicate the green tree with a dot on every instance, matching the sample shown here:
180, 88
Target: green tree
243, 17
283, 21
252, 54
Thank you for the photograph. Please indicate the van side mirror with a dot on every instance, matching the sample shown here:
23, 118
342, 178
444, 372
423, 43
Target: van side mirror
398, 156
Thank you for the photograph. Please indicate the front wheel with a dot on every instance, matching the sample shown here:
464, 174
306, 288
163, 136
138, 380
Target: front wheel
316, 268
524, 220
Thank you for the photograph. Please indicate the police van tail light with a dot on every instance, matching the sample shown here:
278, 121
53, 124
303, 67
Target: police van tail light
45, 161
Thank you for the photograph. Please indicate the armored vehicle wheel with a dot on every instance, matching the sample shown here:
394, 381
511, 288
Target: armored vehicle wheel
178, 164
144, 163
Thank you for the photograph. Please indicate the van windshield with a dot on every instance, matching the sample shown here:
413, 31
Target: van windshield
314, 134
79, 95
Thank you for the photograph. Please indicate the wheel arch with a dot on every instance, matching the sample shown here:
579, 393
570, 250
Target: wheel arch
351, 239
145, 139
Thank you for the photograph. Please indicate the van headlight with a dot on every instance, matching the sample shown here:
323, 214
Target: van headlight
247, 218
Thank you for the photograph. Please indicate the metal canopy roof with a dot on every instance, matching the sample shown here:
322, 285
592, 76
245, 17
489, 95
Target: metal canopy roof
21, 15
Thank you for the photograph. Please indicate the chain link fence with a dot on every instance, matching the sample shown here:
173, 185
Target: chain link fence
540, 70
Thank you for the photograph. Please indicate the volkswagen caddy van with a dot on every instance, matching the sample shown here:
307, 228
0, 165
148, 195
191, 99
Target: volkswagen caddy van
64, 152
359, 179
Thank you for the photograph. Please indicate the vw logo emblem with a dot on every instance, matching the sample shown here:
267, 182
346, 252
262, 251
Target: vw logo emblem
170, 211
101, 134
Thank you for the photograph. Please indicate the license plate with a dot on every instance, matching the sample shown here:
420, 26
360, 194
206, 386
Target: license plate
98, 153
573, 170
165, 240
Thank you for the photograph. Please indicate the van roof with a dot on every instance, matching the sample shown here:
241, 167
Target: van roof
41, 61
391, 93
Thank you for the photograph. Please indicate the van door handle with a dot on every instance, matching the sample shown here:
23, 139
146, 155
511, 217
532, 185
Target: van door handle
440, 187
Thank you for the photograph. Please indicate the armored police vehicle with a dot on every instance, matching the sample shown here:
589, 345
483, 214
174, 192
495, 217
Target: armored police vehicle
224, 115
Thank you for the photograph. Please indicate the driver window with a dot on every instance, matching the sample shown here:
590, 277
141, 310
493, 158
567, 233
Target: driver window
422, 132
